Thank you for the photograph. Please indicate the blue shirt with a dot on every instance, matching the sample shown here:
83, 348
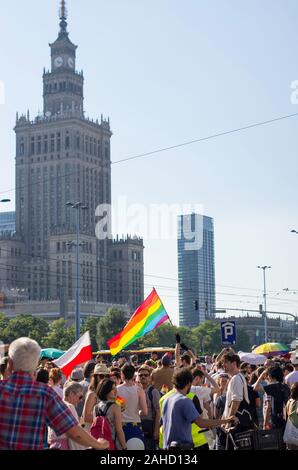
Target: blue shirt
178, 412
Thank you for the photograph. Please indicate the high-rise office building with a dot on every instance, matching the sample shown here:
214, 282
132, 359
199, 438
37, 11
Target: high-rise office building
196, 272
7, 222
62, 156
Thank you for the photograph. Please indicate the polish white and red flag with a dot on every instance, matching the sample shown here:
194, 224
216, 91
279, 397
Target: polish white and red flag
79, 352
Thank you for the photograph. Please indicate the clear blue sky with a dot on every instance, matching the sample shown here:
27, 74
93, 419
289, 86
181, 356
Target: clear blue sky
168, 71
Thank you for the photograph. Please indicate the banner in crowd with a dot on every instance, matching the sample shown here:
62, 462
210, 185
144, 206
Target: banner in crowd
78, 353
149, 316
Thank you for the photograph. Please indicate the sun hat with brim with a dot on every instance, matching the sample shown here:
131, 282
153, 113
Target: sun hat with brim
101, 369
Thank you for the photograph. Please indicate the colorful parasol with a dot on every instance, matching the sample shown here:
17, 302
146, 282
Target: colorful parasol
271, 349
51, 353
252, 358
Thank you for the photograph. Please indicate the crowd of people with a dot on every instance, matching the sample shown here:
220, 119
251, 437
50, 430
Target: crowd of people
162, 403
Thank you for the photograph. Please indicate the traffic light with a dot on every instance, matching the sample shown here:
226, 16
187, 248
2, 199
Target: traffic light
196, 305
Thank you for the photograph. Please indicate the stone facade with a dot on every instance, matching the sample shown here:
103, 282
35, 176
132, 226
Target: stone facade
12, 272
126, 271
51, 310
61, 157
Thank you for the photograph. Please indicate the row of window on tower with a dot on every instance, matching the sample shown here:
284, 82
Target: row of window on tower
62, 87
135, 255
64, 246
14, 252
54, 143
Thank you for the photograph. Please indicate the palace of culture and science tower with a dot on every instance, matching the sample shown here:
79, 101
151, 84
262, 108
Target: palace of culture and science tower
62, 157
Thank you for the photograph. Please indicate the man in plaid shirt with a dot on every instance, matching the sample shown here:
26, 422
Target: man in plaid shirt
27, 407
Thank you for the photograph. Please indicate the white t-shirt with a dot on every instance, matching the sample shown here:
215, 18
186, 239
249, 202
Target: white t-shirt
72, 444
208, 367
236, 391
203, 394
291, 378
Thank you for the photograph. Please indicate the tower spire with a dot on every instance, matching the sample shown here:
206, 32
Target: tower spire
63, 18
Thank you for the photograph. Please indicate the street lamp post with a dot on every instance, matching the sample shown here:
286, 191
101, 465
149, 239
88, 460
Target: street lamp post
265, 306
77, 205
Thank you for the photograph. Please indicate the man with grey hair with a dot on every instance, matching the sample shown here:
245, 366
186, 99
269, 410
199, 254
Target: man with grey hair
27, 407
73, 394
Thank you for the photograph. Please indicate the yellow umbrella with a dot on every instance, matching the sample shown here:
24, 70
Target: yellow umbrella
271, 349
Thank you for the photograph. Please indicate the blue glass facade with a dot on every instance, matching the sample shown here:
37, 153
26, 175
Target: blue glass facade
7, 222
196, 272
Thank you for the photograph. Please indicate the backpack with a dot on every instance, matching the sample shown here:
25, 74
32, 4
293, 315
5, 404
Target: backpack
244, 413
100, 427
150, 396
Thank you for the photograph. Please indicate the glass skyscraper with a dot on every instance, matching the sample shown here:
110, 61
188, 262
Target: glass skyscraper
196, 272
7, 222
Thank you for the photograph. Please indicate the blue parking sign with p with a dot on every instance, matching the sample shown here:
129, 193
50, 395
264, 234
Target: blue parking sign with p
228, 332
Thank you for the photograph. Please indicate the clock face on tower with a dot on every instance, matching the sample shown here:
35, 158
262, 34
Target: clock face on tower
58, 61
71, 62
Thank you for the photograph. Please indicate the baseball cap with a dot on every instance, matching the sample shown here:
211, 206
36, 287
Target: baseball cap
77, 374
166, 360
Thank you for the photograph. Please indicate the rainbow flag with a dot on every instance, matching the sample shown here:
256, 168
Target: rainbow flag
121, 402
150, 315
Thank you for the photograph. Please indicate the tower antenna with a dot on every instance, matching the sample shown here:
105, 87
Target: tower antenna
63, 17
63, 10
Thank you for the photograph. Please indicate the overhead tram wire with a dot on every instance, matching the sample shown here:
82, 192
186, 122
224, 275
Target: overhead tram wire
116, 270
164, 149
213, 136
90, 278
210, 137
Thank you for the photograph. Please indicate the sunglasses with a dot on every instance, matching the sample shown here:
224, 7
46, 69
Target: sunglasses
143, 375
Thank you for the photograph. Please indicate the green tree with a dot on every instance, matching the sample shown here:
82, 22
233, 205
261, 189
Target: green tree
166, 335
188, 337
4, 321
26, 325
243, 342
163, 336
148, 341
207, 337
90, 324
109, 325
59, 335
